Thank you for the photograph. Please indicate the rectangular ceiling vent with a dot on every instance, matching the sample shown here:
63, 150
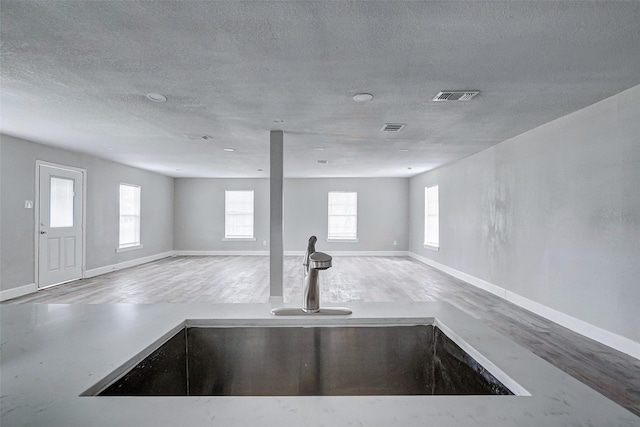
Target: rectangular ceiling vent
456, 95
393, 127
198, 137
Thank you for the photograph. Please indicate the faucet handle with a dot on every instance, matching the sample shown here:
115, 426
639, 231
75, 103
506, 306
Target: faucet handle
311, 247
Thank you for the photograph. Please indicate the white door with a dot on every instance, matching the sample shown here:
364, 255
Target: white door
60, 225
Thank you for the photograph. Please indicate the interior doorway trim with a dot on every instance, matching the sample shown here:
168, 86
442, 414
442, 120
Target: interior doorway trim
36, 222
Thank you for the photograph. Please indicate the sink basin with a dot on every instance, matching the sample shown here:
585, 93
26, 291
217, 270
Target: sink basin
302, 361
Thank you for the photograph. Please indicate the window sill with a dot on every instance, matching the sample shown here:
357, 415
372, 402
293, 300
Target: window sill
342, 240
128, 248
432, 247
239, 239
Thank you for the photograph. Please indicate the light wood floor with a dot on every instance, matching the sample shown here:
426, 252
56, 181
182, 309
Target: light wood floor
245, 279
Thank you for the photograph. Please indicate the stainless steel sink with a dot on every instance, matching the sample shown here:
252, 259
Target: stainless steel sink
302, 361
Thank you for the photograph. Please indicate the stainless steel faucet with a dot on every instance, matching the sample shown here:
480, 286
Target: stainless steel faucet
313, 263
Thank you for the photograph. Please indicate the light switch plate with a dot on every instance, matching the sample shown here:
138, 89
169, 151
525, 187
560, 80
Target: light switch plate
28, 204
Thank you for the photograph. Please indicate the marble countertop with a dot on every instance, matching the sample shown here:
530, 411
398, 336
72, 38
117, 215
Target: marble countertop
50, 354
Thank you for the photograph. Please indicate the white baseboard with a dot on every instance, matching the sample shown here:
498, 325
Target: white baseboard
353, 253
18, 291
115, 267
596, 333
479, 283
589, 330
220, 253
288, 253
126, 264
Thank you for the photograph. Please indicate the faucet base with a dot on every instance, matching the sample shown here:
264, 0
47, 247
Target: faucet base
330, 311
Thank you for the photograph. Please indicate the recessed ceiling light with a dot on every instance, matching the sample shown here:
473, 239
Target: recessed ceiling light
110, 149
362, 97
403, 150
318, 149
229, 149
156, 97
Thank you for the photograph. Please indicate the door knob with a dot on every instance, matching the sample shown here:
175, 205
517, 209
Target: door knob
43, 232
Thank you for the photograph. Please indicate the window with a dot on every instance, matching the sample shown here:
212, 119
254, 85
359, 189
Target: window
238, 215
129, 216
431, 217
343, 216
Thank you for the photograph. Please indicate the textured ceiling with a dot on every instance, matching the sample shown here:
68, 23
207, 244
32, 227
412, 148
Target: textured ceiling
75, 74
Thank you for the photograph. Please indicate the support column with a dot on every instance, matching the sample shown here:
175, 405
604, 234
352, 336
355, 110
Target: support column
276, 247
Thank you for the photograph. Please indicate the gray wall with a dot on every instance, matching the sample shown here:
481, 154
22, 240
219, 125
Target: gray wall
199, 214
382, 213
103, 179
552, 215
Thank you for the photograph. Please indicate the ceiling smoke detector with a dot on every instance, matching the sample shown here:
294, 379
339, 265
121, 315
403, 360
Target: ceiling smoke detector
393, 127
362, 97
456, 95
156, 97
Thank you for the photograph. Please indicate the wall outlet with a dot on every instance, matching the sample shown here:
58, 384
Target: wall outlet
264, 243
28, 204
395, 243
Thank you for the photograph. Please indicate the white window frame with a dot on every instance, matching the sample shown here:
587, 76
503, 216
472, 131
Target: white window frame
432, 216
137, 244
331, 236
229, 234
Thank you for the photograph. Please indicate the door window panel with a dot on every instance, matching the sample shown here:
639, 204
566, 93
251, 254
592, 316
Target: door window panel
61, 202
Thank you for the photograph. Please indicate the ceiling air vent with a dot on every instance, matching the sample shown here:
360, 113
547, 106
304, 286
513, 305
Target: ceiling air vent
393, 127
456, 95
198, 137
